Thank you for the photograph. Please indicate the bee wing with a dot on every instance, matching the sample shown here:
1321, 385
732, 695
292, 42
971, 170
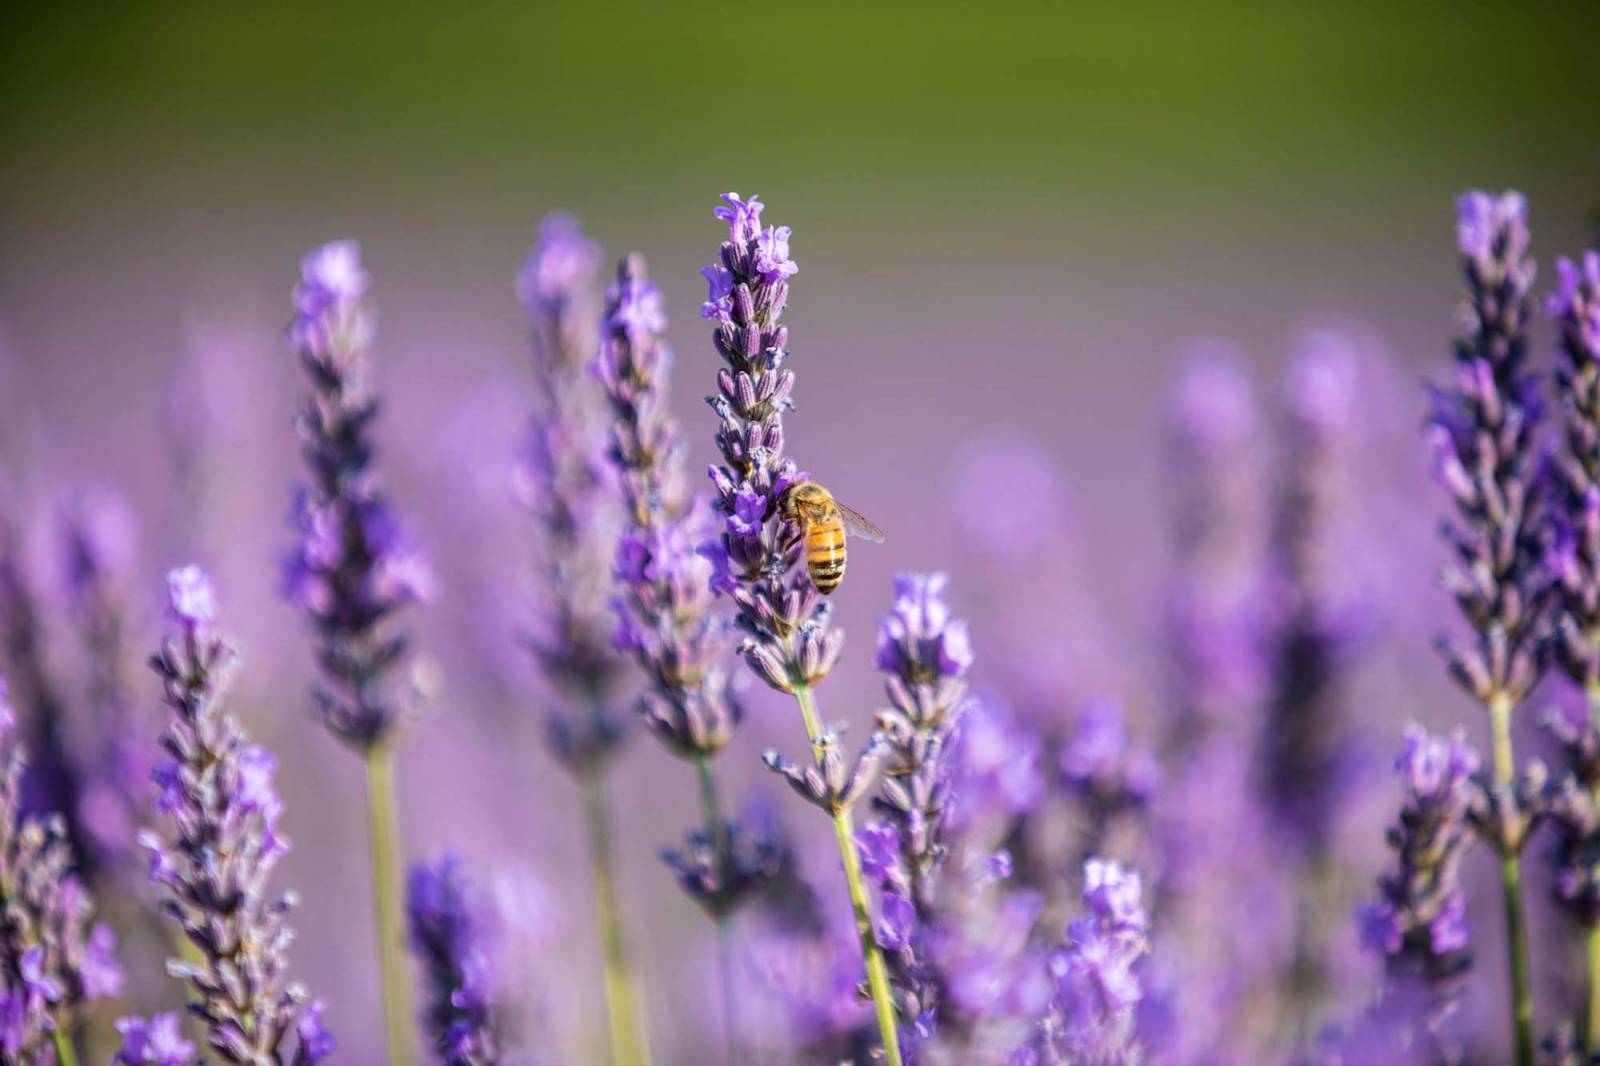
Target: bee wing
859, 525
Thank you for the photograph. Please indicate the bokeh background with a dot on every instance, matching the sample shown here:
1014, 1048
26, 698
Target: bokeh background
1010, 223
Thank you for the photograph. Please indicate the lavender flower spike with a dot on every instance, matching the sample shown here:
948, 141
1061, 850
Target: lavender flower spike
566, 483
1091, 1016
352, 570
1483, 432
1573, 560
447, 938
353, 566
664, 579
788, 642
51, 964
1418, 921
218, 797
925, 654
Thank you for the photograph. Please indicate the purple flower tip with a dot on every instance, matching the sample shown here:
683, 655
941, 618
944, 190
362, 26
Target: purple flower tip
331, 274
191, 600
158, 1042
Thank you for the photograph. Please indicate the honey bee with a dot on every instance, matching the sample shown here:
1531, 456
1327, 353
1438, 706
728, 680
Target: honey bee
823, 522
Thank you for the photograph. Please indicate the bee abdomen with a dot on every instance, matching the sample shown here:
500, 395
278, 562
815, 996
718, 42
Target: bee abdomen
825, 556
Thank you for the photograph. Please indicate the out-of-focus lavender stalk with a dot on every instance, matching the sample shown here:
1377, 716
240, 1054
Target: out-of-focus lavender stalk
1098, 991
217, 792
664, 578
51, 961
449, 941
1483, 433
1311, 633
924, 653
1573, 558
352, 569
788, 642
564, 480
1418, 923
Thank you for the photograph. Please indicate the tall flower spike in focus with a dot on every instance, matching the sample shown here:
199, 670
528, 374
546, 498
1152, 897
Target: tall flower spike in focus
52, 961
664, 582
449, 941
1573, 561
788, 642
222, 808
566, 483
1483, 429
1418, 923
352, 570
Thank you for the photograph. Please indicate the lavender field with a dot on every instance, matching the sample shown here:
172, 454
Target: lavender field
1098, 563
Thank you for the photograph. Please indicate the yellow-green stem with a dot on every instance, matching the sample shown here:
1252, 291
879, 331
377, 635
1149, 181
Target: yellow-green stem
65, 1055
622, 1011
844, 830
717, 837
384, 838
1511, 886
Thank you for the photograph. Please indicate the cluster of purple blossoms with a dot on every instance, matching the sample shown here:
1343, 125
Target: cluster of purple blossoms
52, 961
1113, 778
566, 483
447, 935
217, 794
157, 1042
1092, 1014
924, 653
786, 620
1418, 922
354, 565
1485, 454
1573, 559
661, 565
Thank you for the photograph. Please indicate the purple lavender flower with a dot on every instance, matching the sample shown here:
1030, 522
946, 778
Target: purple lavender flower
448, 940
1573, 560
96, 536
565, 482
1418, 921
1483, 430
661, 566
1098, 988
217, 795
158, 1042
354, 566
51, 961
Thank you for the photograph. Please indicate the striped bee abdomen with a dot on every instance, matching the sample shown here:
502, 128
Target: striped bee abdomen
825, 554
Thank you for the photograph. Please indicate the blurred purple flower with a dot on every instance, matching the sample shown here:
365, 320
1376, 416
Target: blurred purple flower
447, 937
353, 567
158, 1042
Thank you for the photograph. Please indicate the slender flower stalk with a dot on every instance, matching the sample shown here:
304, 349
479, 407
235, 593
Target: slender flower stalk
665, 603
218, 796
52, 959
447, 935
788, 640
1573, 559
352, 569
565, 481
1483, 433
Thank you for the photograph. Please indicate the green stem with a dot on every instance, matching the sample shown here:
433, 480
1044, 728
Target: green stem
717, 836
1511, 885
844, 830
65, 1055
622, 1012
384, 838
